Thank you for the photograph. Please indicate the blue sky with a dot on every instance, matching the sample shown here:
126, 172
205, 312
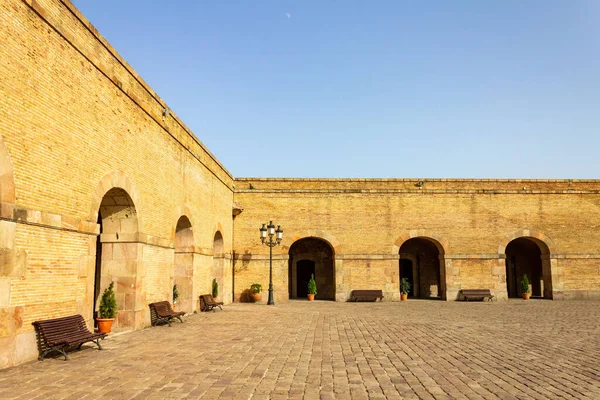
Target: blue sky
455, 89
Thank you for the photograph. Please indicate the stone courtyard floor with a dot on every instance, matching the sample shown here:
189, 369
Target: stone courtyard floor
417, 349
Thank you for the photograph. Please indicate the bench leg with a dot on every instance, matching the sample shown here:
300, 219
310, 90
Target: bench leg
97, 341
180, 320
60, 350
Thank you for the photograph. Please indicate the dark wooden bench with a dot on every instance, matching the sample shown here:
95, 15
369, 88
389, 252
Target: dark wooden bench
162, 311
58, 334
476, 294
366, 295
207, 303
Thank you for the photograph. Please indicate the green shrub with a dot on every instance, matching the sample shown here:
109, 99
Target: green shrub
404, 286
256, 288
525, 284
175, 293
312, 285
108, 303
215, 288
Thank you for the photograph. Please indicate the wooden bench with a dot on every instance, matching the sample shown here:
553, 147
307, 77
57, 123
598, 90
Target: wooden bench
60, 333
476, 294
207, 303
366, 295
162, 311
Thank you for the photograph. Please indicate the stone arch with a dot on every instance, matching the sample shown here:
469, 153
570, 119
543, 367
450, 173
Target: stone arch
183, 271
543, 282
530, 234
319, 234
218, 270
312, 255
115, 179
182, 211
430, 282
117, 250
12, 264
7, 178
439, 241
218, 244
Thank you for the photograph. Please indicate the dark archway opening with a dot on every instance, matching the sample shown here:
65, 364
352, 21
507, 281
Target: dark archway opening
184, 263
311, 256
218, 262
528, 256
421, 263
117, 254
98, 272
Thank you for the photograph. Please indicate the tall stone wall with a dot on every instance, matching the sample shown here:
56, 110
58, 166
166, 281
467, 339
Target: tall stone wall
77, 122
470, 221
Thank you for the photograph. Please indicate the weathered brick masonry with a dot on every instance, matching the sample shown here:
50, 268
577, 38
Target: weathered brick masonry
470, 222
100, 183
82, 133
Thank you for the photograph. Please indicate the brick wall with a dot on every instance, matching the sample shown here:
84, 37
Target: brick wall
367, 221
75, 122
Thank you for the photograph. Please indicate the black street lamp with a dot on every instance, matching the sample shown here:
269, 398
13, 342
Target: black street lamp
270, 230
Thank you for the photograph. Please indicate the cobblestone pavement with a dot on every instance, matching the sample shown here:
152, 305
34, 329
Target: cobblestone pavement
417, 349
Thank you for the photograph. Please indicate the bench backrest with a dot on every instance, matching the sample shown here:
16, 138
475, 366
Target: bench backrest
476, 291
375, 293
208, 299
161, 308
60, 328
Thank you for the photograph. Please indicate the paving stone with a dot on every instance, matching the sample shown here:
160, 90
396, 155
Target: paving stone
412, 350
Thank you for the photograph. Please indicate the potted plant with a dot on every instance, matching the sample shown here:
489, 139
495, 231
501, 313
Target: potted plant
312, 288
108, 309
404, 288
215, 289
525, 287
256, 290
175, 295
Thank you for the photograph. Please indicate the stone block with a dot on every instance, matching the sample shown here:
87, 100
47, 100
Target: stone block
4, 292
124, 284
11, 320
125, 320
8, 346
26, 347
107, 251
7, 234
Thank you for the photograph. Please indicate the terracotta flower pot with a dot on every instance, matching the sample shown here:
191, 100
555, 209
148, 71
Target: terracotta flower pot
104, 324
403, 296
526, 296
256, 297
311, 297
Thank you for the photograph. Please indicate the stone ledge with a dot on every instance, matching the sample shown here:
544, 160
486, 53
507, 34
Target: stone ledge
416, 191
14, 213
246, 179
457, 256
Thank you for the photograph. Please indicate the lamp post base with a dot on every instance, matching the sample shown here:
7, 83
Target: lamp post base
270, 302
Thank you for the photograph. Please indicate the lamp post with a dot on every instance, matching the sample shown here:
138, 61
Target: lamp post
270, 231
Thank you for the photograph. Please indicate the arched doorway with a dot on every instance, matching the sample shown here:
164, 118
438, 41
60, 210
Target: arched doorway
311, 256
218, 262
184, 263
531, 256
421, 263
117, 251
